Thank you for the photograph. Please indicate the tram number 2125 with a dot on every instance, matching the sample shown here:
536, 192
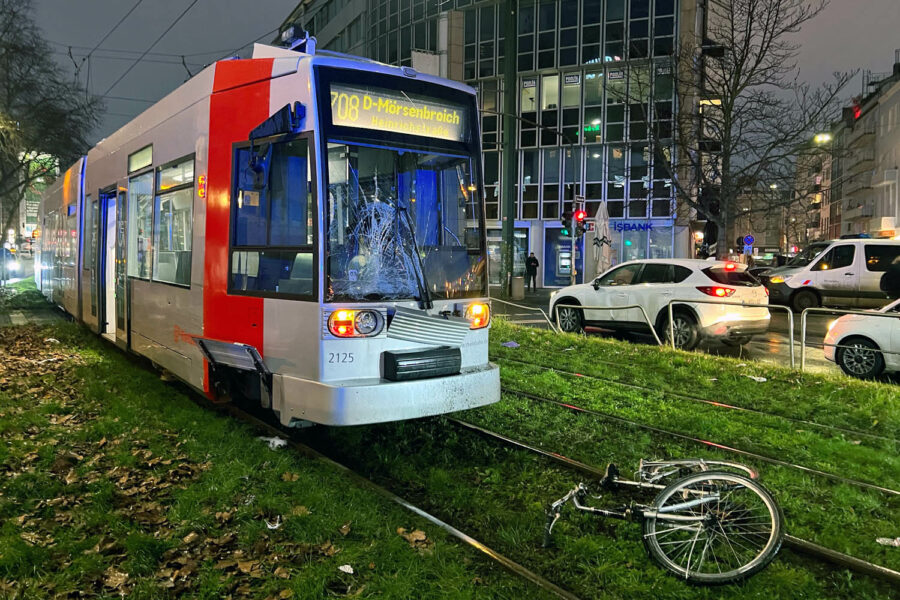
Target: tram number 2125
340, 357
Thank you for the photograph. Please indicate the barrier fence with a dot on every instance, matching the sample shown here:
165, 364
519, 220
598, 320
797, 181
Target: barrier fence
627, 307
744, 304
837, 311
540, 310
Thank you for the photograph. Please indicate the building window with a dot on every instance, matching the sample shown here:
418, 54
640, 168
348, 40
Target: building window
547, 35
530, 184
614, 47
140, 224
526, 37
591, 14
616, 181
492, 185
272, 232
173, 223
550, 191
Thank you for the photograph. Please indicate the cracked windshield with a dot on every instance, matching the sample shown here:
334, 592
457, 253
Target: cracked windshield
402, 224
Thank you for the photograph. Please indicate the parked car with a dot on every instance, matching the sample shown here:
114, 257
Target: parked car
845, 273
861, 337
651, 284
10, 267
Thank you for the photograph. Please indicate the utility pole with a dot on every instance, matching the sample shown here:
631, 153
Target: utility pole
510, 156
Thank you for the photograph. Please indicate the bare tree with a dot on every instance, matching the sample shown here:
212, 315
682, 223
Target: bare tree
42, 112
744, 116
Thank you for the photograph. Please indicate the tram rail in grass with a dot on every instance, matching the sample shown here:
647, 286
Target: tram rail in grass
797, 544
497, 557
707, 443
717, 404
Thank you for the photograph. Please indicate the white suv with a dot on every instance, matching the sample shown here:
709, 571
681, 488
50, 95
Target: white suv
651, 284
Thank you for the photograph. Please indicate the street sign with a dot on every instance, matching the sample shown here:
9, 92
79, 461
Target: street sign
748, 249
749, 239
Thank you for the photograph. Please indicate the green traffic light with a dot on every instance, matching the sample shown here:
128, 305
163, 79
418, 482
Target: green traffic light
565, 231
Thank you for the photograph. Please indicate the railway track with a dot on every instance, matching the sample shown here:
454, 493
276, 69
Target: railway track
714, 403
797, 544
511, 565
706, 443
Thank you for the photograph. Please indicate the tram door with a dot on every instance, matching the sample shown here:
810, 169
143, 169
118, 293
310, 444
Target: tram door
106, 280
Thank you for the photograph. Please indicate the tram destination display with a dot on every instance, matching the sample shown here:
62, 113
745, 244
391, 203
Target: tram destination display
397, 112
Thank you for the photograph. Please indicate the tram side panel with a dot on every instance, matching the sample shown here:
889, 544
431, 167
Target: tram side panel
60, 244
166, 301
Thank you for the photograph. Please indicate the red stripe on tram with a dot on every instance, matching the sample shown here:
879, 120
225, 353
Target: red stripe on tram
239, 102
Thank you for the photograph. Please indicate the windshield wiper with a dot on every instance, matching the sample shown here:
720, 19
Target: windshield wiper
421, 280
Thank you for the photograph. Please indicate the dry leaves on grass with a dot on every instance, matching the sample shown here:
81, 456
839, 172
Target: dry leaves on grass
417, 539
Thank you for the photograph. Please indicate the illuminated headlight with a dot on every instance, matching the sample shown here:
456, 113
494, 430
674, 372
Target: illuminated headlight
779, 278
478, 314
354, 323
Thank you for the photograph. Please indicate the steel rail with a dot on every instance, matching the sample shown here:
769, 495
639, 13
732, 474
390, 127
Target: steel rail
799, 544
507, 562
717, 404
707, 443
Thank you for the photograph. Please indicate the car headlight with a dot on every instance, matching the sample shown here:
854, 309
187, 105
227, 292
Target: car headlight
779, 278
366, 322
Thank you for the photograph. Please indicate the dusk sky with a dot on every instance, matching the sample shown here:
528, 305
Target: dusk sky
849, 34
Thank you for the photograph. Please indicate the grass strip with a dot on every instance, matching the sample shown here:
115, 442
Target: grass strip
823, 398
501, 494
114, 483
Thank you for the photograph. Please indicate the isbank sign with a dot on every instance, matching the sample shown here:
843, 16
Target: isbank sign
626, 226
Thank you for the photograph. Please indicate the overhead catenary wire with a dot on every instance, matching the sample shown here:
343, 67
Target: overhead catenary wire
143, 54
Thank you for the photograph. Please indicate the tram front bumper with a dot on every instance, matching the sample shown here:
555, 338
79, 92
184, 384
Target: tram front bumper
376, 401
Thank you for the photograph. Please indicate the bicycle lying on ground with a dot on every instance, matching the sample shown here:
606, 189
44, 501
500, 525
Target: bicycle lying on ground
707, 526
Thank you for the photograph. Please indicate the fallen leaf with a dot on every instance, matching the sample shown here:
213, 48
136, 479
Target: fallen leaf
345, 529
71, 477
115, 578
417, 539
223, 517
101, 443
274, 524
299, 511
190, 538
283, 573
286, 593
288, 476
346, 569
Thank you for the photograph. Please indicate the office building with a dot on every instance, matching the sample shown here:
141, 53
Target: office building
593, 77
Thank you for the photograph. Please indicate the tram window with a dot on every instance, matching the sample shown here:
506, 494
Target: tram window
272, 244
173, 223
140, 224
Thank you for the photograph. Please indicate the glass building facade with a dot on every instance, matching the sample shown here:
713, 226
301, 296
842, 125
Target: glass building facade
595, 97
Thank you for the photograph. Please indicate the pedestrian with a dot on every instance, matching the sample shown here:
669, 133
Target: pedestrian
531, 267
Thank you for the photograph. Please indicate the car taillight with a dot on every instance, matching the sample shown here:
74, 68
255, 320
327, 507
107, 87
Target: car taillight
478, 314
767, 290
730, 266
717, 291
354, 323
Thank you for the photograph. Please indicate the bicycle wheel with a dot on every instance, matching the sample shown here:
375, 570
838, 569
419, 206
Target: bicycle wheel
728, 538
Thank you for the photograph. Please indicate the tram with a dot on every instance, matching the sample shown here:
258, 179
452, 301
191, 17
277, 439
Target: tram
303, 229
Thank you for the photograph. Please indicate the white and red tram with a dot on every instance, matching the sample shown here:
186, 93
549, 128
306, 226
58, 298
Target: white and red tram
304, 229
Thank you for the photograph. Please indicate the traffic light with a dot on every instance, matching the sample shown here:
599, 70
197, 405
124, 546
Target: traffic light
580, 227
566, 219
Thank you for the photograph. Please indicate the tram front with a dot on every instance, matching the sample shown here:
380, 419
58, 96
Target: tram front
405, 313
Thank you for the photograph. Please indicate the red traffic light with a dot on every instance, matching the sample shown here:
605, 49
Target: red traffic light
580, 216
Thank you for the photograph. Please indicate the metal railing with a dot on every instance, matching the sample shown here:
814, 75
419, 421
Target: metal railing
540, 310
790, 315
836, 311
626, 307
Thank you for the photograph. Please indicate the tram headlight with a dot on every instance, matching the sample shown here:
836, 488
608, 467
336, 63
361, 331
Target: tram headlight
478, 314
366, 322
354, 323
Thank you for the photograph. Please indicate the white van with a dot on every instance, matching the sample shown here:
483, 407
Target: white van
844, 273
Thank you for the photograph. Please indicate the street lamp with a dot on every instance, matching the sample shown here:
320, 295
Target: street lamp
822, 138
